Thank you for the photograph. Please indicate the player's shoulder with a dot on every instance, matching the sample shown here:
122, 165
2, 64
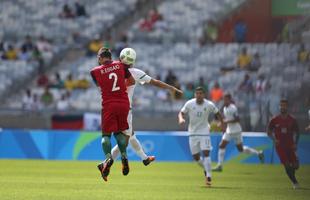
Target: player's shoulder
275, 118
232, 106
292, 117
208, 102
135, 70
96, 68
190, 102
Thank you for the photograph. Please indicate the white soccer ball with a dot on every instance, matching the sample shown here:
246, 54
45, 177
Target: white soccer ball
128, 56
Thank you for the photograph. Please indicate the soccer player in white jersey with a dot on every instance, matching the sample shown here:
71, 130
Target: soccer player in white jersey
198, 111
233, 132
140, 77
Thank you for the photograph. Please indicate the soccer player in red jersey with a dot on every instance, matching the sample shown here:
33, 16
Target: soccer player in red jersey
110, 77
283, 130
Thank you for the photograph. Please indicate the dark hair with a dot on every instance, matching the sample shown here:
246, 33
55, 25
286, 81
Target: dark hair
228, 95
104, 53
199, 88
284, 101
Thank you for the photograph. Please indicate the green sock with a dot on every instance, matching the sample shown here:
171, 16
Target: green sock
106, 145
122, 142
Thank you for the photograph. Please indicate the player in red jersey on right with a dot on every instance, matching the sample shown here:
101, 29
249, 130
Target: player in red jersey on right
283, 130
110, 77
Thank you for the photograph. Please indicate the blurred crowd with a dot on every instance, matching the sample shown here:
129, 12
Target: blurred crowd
28, 50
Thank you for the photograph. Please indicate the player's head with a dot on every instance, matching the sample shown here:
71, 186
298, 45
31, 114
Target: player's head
104, 54
227, 99
128, 56
199, 94
283, 106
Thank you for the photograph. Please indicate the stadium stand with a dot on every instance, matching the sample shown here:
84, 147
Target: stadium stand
171, 44
176, 21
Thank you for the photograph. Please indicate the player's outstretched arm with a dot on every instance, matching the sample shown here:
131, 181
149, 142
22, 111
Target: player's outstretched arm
220, 117
163, 85
181, 117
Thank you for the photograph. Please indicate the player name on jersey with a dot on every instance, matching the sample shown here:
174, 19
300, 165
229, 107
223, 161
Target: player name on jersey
109, 69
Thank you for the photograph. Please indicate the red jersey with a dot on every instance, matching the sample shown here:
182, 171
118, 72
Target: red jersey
284, 129
110, 77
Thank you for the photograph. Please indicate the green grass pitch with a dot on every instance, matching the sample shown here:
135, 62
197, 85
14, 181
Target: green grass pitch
77, 180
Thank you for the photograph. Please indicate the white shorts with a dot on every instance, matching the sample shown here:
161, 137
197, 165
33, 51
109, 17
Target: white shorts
199, 143
237, 137
129, 120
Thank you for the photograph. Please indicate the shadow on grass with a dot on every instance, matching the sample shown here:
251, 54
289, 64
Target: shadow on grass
303, 188
220, 187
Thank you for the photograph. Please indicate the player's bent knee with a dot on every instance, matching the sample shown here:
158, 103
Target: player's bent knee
240, 148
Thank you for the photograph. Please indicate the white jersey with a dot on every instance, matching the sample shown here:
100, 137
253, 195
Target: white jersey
198, 116
230, 113
140, 77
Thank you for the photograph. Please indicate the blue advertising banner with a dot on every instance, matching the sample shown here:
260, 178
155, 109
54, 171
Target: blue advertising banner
166, 146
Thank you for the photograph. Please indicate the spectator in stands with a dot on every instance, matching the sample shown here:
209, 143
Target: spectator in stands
189, 91
70, 83
42, 80
154, 16
37, 55
171, 79
45, 47
146, 25
161, 24
36, 104
27, 101
82, 84
57, 82
47, 97
255, 63
303, 54
203, 84
261, 85
120, 45
80, 10
66, 12
210, 33
2, 49
246, 85
10, 53
63, 104
240, 31
94, 46
28, 44
216, 93
285, 33
1, 46
24, 54
244, 59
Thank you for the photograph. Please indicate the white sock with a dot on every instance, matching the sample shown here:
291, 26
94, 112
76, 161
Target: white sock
115, 152
200, 163
249, 150
137, 147
221, 155
207, 166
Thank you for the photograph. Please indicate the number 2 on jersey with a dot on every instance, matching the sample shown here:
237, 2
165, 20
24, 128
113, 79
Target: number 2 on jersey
114, 77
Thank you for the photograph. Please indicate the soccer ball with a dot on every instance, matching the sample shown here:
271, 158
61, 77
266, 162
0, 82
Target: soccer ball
128, 56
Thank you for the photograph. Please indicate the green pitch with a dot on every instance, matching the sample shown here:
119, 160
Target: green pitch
45, 180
